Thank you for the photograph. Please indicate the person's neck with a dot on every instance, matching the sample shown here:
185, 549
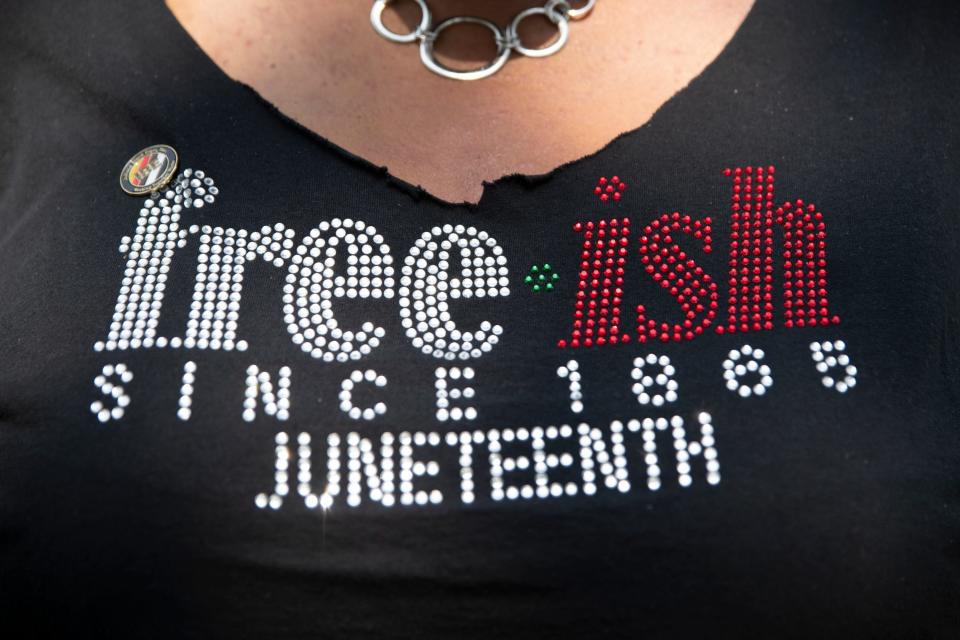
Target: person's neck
322, 64
498, 11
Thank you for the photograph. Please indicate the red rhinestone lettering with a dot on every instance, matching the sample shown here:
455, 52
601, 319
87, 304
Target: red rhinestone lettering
752, 218
673, 269
596, 316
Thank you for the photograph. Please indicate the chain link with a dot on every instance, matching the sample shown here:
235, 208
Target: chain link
559, 12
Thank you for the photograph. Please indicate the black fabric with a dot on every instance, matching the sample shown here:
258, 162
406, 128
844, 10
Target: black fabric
837, 514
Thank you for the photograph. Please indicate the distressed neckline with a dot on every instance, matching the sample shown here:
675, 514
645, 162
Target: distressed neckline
416, 191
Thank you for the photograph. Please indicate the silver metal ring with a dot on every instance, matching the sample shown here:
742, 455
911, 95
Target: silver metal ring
513, 35
558, 7
577, 14
376, 17
426, 50
560, 12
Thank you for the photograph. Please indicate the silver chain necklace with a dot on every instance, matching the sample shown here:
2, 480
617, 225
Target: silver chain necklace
560, 12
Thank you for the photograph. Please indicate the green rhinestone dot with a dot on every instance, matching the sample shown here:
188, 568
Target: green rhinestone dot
528, 280
536, 288
549, 286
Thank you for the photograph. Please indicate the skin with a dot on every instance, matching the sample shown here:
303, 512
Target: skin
322, 64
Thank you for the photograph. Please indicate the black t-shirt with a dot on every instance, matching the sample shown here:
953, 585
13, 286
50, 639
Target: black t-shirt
292, 396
